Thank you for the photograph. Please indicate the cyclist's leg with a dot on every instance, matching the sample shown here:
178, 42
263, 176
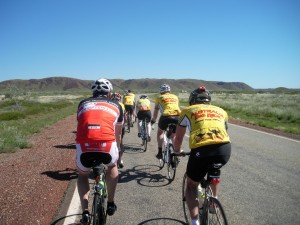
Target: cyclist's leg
191, 195
82, 181
196, 170
160, 135
148, 118
140, 122
112, 176
222, 153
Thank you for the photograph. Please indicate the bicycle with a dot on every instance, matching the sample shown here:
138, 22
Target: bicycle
99, 214
168, 158
128, 121
144, 133
211, 211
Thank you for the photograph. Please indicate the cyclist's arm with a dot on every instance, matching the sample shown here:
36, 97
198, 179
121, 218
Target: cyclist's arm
154, 117
180, 132
118, 132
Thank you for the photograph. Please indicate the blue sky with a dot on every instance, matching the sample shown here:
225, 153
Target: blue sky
252, 41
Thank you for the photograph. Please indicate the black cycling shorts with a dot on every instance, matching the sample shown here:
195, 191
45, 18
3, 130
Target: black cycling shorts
164, 121
129, 108
144, 114
201, 157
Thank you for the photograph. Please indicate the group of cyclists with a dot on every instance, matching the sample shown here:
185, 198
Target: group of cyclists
100, 133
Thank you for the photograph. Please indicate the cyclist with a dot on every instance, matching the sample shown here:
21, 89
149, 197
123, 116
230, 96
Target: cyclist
117, 96
129, 103
168, 106
143, 110
209, 142
99, 127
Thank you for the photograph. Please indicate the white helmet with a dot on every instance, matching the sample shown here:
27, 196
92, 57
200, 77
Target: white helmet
164, 88
101, 86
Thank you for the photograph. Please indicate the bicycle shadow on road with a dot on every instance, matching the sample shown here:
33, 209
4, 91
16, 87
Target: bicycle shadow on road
67, 146
133, 148
162, 221
61, 219
63, 175
144, 175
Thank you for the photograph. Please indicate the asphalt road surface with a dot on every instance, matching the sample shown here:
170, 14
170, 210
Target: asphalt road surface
259, 185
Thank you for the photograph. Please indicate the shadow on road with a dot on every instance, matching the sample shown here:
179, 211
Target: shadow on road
56, 222
67, 174
162, 221
67, 146
133, 148
145, 175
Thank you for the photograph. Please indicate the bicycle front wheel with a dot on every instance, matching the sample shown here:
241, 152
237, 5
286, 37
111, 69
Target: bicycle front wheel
186, 211
214, 213
172, 163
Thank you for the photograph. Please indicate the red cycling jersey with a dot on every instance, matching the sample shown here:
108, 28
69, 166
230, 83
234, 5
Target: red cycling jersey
97, 118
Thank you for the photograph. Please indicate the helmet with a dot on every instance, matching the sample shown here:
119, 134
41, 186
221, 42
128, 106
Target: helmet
200, 95
143, 96
101, 86
116, 96
129, 91
164, 88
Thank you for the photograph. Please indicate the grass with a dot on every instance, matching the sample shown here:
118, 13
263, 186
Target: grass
277, 111
20, 118
20, 121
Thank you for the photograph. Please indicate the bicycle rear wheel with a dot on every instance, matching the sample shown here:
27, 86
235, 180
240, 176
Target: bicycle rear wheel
214, 213
172, 163
98, 210
145, 135
128, 122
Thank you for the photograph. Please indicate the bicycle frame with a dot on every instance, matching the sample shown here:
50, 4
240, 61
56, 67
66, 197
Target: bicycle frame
211, 212
100, 196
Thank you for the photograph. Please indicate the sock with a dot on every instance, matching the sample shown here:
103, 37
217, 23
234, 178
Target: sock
195, 222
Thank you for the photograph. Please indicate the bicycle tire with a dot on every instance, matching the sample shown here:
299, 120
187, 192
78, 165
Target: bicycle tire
172, 163
128, 122
145, 138
95, 209
186, 211
218, 217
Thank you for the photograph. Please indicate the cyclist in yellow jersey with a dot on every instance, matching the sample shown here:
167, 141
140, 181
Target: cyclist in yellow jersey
117, 97
168, 106
209, 143
129, 103
143, 110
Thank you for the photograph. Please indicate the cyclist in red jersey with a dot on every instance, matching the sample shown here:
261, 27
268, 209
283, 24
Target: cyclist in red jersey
99, 129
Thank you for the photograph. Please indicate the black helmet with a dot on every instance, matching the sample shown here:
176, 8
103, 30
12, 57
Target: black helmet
143, 97
200, 95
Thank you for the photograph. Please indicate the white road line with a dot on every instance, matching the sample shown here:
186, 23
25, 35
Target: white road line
74, 208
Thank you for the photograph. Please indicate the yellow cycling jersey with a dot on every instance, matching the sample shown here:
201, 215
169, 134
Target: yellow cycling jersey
207, 125
168, 104
143, 105
122, 105
128, 99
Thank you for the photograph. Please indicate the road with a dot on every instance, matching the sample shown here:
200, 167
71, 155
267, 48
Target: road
259, 185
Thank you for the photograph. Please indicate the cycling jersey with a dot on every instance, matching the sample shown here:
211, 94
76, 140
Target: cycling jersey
122, 106
143, 105
207, 124
168, 104
129, 99
97, 118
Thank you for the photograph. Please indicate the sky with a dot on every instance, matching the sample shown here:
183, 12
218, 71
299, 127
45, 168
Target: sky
256, 42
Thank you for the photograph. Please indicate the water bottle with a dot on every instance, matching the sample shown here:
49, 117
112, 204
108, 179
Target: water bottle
201, 196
